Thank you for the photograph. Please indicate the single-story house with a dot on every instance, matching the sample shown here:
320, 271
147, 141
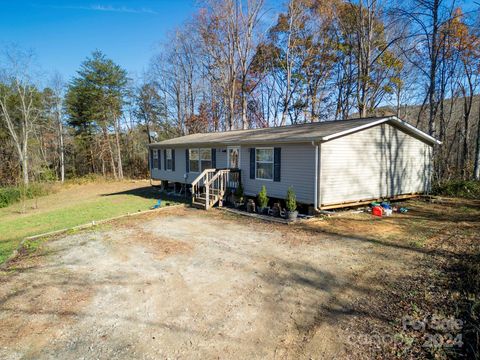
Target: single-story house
328, 164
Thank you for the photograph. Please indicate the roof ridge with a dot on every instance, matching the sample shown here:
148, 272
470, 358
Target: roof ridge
291, 125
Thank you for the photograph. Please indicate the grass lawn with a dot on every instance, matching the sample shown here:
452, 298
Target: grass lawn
73, 205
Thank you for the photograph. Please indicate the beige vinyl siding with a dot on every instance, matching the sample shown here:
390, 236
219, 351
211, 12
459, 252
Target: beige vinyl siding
378, 162
297, 169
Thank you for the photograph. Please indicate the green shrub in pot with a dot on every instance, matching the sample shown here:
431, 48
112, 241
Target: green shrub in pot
262, 199
291, 204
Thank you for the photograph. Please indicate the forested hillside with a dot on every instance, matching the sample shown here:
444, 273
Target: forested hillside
246, 64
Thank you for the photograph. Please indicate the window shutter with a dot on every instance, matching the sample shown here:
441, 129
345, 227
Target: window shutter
214, 158
151, 159
165, 159
159, 159
252, 163
187, 161
277, 160
173, 159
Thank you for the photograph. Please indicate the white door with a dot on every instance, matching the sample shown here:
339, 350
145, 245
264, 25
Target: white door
233, 162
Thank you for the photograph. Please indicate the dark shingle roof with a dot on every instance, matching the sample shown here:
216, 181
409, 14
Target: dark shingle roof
317, 131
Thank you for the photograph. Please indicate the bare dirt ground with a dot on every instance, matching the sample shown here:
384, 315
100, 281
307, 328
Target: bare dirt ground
185, 284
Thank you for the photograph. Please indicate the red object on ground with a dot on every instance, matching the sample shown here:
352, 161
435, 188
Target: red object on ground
377, 211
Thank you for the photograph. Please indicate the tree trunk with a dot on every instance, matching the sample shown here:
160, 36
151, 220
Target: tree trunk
110, 152
466, 134
244, 110
62, 150
476, 170
433, 70
119, 152
286, 98
231, 107
24, 156
25, 170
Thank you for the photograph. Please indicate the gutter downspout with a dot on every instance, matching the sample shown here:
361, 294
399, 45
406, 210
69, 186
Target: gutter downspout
315, 192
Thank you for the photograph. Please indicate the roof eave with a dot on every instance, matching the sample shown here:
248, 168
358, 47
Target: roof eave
243, 142
352, 130
400, 122
415, 130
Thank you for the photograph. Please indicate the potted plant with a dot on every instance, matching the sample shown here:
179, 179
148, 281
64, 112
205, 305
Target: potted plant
238, 196
262, 200
291, 204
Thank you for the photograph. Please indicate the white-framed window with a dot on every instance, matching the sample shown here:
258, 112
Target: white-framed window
154, 158
169, 164
205, 159
194, 160
199, 159
264, 164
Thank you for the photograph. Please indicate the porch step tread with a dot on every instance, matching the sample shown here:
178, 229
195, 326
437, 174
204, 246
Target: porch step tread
204, 197
198, 205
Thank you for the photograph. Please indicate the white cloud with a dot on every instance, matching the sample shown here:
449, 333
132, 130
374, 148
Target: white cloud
122, 9
109, 8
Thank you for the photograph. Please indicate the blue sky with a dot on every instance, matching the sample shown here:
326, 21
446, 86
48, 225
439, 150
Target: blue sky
63, 33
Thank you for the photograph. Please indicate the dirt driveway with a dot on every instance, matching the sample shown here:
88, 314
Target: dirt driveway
189, 284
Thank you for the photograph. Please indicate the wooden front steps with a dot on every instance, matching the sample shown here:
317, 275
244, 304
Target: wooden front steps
211, 186
201, 200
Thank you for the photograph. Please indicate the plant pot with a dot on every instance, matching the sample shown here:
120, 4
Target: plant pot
292, 215
261, 210
251, 206
237, 202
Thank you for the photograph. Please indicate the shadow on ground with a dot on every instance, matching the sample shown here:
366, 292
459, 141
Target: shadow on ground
149, 192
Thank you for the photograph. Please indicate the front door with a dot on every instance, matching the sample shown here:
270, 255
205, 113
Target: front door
233, 162
233, 157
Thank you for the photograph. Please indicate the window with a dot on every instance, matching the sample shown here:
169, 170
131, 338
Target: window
194, 157
199, 159
168, 165
154, 159
205, 159
264, 163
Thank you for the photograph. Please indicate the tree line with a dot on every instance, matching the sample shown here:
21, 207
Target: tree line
238, 64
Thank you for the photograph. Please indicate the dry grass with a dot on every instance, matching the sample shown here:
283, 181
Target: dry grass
72, 205
443, 238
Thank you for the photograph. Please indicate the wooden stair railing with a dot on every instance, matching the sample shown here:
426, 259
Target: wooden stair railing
200, 181
214, 184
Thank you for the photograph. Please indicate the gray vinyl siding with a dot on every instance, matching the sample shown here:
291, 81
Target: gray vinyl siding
180, 166
297, 170
221, 158
173, 176
378, 162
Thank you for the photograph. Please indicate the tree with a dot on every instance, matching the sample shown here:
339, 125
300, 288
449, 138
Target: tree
150, 108
53, 109
248, 19
19, 102
95, 100
464, 45
365, 38
286, 34
198, 123
219, 31
426, 19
